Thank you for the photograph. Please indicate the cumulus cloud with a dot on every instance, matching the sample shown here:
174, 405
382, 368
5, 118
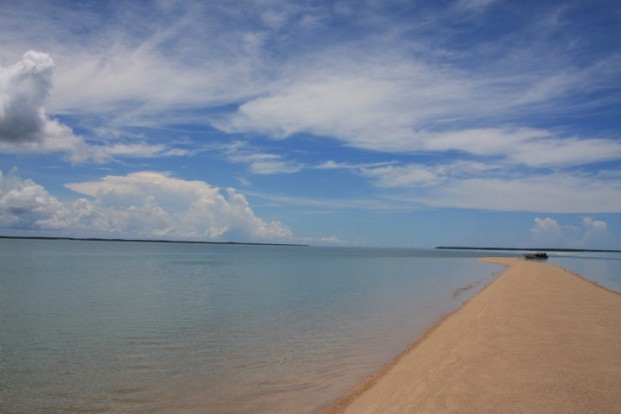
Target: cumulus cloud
143, 205
173, 207
24, 123
594, 230
594, 225
26, 127
546, 227
548, 230
25, 204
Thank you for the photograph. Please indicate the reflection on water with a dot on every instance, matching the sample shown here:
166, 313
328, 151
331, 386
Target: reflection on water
108, 327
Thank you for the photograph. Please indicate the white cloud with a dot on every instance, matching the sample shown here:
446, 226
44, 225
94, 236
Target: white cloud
551, 193
363, 101
333, 165
550, 231
594, 225
406, 106
259, 162
547, 232
420, 175
106, 153
267, 164
476, 5
477, 185
171, 207
331, 240
155, 67
142, 205
24, 123
322, 205
402, 87
546, 228
140, 87
25, 126
594, 230
274, 19
408, 176
24, 204
564, 152
528, 146
391, 90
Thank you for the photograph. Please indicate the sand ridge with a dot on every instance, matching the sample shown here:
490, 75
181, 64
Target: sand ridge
538, 339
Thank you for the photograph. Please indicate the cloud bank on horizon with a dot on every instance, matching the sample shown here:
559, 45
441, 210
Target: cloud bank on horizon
140, 205
451, 105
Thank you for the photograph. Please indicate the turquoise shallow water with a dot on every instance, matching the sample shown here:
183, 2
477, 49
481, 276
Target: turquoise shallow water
112, 327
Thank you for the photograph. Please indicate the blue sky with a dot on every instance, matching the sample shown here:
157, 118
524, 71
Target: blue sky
390, 123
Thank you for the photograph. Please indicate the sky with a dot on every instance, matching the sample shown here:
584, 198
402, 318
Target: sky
348, 123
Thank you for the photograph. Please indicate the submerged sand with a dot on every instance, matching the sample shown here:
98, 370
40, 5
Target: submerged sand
538, 339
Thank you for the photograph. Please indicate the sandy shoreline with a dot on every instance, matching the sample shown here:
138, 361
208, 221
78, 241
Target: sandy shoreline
538, 339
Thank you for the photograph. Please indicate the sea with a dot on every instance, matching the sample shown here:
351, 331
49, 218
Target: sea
136, 327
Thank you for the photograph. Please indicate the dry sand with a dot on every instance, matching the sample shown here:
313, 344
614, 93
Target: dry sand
538, 339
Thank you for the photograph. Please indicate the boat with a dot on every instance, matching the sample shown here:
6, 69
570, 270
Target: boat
538, 255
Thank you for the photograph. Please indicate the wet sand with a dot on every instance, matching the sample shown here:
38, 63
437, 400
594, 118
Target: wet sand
538, 339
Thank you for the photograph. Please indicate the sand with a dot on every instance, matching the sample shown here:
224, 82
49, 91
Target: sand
538, 339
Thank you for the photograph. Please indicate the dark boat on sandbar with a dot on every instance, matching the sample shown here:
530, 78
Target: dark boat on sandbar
536, 256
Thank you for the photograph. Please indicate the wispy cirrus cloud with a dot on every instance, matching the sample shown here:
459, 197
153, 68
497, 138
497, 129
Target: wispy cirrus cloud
366, 102
556, 192
114, 151
258, 162
323, 205
528, 146
413, 175
410, 188
422, 175
410, 105
149, 60
392, 87
334, 165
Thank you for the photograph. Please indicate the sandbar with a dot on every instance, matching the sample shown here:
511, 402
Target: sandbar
538, 339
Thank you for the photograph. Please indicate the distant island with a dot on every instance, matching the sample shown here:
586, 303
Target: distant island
529, 249
150, 241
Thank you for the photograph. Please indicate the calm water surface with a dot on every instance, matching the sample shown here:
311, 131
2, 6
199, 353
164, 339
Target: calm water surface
602, 268
107, 327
